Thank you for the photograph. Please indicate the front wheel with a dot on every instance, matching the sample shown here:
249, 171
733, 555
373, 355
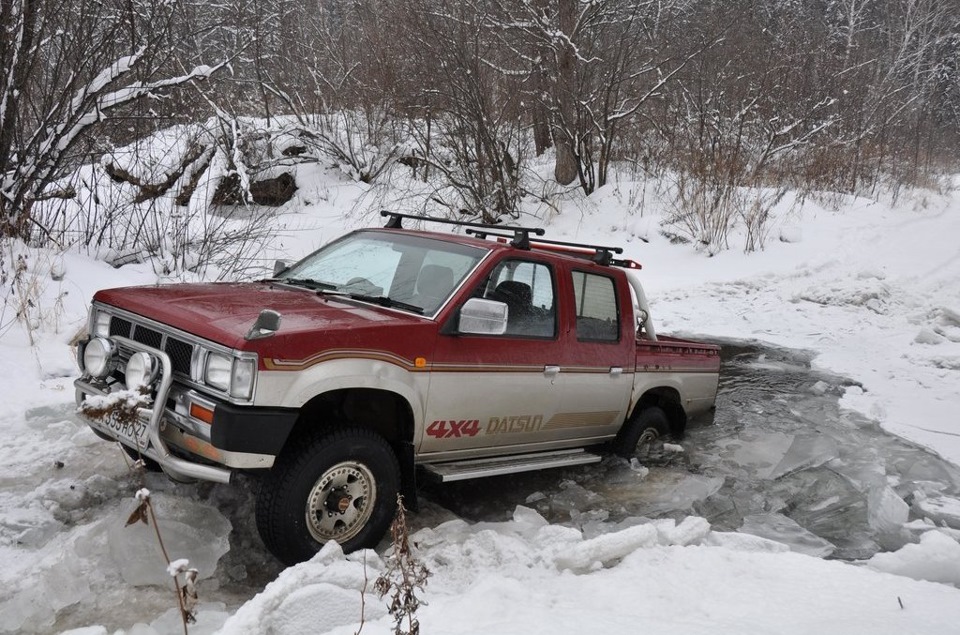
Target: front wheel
643, 432
341, 485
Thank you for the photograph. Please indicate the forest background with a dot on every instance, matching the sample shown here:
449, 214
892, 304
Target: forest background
733, 103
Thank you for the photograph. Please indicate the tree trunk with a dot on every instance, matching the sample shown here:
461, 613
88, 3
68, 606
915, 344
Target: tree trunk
565, 170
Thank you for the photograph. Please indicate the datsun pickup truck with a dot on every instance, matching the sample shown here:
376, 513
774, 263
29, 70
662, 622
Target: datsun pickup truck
387, 355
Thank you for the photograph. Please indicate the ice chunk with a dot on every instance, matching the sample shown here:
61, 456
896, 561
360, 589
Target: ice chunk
825, 502
210, 617
606, 548
920, 526
192, 530
759, 453
943, 509
936, 558
805, 452
528, 518
820, 388
690, 531
886, 512
664, 491
573, 498
784, 530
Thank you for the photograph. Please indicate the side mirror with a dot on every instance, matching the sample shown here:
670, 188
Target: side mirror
483, 317
268, 323
279, 266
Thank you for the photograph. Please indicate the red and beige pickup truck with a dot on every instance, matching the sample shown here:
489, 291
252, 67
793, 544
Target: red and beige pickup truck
387, 354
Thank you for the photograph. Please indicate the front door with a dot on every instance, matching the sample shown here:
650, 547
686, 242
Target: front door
496, 391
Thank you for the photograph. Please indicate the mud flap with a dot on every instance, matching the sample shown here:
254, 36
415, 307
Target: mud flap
408, 475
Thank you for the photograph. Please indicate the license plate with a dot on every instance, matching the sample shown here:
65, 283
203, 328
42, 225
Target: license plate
132, 433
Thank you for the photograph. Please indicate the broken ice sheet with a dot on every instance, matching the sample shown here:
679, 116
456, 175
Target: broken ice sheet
190, 529
663, 491
805, 452
941, 509
758, 452
784, 530
771, 455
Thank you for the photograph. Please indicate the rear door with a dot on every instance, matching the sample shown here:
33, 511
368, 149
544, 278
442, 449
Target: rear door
598, 353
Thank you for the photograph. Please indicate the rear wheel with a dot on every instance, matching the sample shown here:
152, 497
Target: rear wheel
341, 485
643, 433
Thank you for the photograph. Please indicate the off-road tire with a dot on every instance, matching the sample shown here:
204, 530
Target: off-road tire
651, 424
357, 461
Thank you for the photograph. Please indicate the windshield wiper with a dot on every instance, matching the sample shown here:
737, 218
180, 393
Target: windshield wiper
309, 283
383, 300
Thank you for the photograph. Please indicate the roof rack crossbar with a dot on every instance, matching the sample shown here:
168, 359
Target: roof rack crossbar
599, 254
521, 235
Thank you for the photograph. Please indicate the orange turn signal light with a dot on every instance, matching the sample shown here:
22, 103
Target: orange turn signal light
202, 413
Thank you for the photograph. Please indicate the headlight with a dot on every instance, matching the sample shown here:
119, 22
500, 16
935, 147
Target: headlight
141, 371
100, 323
217, 370
100, 357
230, 374
244, 370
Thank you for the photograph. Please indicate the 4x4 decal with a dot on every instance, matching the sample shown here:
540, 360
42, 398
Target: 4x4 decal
443, 429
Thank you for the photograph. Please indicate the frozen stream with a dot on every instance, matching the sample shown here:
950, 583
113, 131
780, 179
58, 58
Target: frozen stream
780, 460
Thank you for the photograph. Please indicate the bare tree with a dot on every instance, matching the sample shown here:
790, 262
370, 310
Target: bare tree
67, 68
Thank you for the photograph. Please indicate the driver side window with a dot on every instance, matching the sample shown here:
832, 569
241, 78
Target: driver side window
527, 288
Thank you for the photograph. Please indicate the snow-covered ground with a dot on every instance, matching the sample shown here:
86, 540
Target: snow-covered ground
871, 287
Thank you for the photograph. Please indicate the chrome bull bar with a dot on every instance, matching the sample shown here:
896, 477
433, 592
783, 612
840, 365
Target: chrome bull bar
176, 467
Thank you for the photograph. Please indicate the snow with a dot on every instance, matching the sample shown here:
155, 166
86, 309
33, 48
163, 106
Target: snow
871, 287
935, 558
512, 577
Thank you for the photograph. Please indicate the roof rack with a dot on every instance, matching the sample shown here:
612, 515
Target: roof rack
520, 239
520, 236
600, 254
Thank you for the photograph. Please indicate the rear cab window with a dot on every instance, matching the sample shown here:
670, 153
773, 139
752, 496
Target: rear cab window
597, 307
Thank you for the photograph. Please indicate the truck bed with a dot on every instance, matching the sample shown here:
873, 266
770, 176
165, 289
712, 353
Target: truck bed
674, 353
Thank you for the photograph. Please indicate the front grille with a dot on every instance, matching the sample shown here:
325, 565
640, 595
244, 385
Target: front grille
180, 354
180, 351
121, 327
148, 336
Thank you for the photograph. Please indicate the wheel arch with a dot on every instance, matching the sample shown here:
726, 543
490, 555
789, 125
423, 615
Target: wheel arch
667, 399
385, 412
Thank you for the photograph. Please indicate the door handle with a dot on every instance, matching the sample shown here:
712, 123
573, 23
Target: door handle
616, 371
551, 371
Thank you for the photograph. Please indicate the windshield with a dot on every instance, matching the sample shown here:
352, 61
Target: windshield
391, 269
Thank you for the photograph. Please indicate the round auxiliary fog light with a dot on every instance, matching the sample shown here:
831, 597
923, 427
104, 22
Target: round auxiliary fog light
141, 371
100, 357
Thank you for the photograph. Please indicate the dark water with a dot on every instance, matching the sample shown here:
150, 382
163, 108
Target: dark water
779, 459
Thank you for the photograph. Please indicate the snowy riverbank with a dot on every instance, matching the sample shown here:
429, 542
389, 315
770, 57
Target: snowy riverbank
872, 289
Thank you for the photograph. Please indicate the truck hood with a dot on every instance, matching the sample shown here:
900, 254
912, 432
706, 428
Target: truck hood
224, 312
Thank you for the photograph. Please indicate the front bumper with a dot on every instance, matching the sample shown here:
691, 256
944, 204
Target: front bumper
248, 437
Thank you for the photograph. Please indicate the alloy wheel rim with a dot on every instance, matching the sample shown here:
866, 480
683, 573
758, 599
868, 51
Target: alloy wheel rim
341, 502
